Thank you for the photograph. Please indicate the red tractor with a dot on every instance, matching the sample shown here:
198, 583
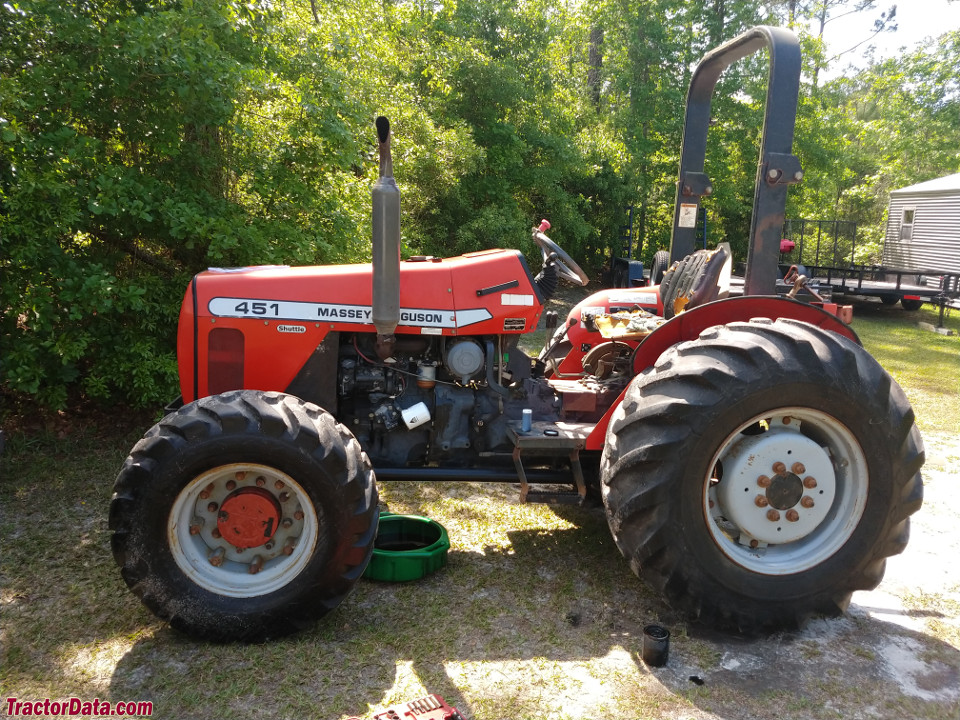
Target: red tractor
756, 464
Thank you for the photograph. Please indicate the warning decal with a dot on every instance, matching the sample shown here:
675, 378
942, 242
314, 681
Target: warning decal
688, 215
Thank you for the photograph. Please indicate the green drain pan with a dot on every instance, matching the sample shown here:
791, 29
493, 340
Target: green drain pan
408, 547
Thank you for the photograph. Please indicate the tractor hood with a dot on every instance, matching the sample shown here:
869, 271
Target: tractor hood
284, 313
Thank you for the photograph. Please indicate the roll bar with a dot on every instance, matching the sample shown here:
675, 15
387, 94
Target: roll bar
778, 168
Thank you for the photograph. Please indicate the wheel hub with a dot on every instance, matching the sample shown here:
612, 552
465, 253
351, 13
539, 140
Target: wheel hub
249, 517
785, 491
777, 487
243, 530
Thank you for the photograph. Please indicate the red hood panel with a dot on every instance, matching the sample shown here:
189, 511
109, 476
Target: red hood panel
475, 294
284, 313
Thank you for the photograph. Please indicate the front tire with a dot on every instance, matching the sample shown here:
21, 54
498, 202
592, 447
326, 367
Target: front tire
244, 516
762, 473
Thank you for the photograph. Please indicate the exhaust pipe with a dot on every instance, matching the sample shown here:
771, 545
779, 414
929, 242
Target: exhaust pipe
386, 247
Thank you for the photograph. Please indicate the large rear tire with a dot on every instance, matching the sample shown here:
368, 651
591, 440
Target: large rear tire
761, 474
244, 516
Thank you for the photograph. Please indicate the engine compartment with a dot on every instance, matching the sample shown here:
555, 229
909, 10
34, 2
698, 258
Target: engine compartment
451, 401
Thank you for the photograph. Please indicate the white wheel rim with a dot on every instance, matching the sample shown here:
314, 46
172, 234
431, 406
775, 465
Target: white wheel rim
777, 520
205, 556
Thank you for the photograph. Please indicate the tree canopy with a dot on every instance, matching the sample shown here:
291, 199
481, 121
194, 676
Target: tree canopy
144, 140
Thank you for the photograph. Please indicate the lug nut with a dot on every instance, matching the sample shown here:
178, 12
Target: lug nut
792, 515
205, 493
256, 566
773, 515
196, 525
779, 468
763, 481
298, 515
809, 482
288, 546
761, 501
787, 420
232, 484
240, 476
798, 468
711, 503
284, 496
216, 533
754, 543
212, 507
216, 557
269, 545
261, 481
288, 522
278, 484
806, 501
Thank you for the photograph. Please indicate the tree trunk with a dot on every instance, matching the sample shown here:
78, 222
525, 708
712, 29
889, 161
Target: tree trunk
595, 63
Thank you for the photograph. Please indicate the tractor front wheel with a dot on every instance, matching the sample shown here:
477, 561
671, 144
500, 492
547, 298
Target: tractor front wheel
762, 473
244, 516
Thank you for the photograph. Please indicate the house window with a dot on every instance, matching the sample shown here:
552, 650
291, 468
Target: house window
906, 223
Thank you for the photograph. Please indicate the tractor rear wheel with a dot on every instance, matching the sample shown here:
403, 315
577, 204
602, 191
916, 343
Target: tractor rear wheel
762, 473
244, 516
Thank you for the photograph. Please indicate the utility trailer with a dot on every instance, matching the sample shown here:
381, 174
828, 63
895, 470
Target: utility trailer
824, 251
755, 463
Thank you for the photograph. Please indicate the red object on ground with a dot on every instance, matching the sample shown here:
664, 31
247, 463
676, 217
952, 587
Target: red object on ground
431, 707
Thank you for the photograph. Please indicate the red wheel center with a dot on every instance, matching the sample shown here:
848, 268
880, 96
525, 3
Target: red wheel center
249, 517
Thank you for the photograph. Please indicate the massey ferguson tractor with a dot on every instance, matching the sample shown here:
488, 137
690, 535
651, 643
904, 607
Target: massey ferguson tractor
755, 463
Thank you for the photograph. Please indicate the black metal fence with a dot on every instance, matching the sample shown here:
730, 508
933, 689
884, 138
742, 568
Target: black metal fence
822, 243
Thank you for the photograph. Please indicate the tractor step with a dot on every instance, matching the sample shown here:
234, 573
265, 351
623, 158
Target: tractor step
551, 439
551, 436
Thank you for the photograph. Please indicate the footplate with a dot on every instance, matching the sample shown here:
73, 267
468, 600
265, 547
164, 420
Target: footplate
551, 439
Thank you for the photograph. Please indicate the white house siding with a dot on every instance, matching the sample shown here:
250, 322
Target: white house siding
935, 244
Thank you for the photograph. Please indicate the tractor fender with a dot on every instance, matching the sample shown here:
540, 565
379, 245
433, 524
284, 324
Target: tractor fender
689, 324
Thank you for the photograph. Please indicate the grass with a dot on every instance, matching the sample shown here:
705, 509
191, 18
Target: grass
925, 364
535, 616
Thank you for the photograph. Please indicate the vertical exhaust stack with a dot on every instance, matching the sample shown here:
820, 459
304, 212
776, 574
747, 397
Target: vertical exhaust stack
386, 247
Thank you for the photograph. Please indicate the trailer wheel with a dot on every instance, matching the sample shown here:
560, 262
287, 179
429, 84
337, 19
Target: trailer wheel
911, 304
244, 516
762, 473
661, 261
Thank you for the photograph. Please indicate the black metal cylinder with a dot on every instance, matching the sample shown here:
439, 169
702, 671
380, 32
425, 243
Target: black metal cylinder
656, 645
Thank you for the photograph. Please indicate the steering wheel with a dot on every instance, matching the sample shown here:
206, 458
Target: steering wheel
552, 252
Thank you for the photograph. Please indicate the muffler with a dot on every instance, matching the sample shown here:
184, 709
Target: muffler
386, 247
